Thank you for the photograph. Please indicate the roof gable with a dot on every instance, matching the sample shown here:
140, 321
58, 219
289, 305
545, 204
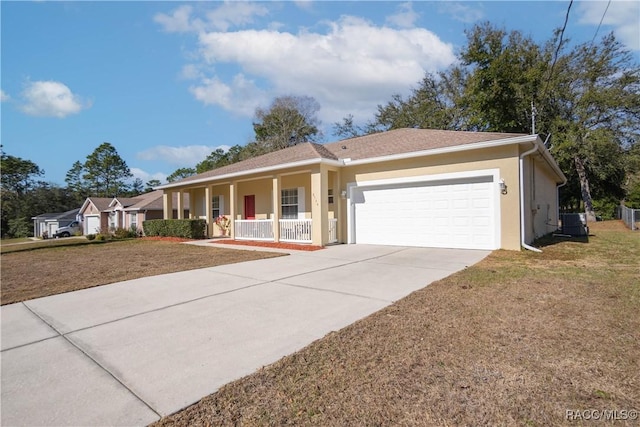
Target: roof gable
100, 203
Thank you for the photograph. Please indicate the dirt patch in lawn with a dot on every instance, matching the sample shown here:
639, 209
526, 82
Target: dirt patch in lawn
279, 245
518, 339
53, 270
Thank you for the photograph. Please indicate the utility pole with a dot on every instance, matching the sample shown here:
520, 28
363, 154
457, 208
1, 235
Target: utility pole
534, 112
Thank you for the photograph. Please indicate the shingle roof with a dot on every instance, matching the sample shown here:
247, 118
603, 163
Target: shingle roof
68, 214
402, 141
101, 203
153, 201
399, 141
297, 153
126, 201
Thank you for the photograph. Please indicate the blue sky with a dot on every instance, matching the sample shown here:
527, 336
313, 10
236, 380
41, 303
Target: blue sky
168, 82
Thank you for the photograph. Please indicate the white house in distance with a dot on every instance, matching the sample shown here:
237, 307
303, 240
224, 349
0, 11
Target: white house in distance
50, 222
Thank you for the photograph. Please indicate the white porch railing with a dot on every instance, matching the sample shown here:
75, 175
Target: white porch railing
254, 229
333, 230
295, 230
291, 230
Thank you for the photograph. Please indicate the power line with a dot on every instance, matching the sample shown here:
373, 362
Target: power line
601, 19
555, 56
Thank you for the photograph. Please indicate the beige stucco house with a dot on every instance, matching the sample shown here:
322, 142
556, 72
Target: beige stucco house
408, 187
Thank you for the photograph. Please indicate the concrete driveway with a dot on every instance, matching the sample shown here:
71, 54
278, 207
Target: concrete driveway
131, 352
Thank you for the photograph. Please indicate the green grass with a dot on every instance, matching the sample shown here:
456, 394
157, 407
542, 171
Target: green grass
32, 245
16, 240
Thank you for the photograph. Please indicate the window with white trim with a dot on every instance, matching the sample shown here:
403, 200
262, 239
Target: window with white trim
134, 220
330, 198
216, 207
289, 203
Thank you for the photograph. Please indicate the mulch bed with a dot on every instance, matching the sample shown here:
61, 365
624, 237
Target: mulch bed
279, 245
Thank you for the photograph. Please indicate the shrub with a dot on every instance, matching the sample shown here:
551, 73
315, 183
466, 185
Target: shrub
185, 228
20, 227
90, 236
123, 233
100, 237
606, 207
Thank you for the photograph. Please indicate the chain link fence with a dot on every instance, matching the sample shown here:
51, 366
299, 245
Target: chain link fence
631, 217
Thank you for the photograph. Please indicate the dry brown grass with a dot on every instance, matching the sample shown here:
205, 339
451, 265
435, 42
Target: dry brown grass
518, 339
51, 269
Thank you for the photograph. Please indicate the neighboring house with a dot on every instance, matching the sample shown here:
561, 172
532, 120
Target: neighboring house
103, 214
50, 222
133, 211
407, 187
95, 214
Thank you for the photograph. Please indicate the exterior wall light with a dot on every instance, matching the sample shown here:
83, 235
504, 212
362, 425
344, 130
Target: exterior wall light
343, 194
503, 186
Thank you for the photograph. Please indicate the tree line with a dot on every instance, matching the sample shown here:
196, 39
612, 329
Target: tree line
584, 100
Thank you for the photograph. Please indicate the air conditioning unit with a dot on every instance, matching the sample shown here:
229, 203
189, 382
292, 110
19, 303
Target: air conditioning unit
574, 224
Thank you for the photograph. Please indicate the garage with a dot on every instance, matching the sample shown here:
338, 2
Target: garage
428, 212
91, 224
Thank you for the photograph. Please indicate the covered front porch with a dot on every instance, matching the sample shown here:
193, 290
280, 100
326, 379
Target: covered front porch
296, 206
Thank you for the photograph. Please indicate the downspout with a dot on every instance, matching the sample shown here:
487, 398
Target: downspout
522, 156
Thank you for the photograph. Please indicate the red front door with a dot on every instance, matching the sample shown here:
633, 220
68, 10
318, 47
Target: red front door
250, 207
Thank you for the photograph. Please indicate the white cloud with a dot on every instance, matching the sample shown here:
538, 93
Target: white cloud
51, 99
227, 15
405, 18
185, 156
623, 16
191, 72
461, 12
3, 96
304, 4
237, 13
179, 21
241, 96
146, 176
352, 67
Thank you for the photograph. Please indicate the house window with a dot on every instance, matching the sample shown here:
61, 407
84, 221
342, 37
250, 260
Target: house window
134, 220
215, 204
330, 196
289, 203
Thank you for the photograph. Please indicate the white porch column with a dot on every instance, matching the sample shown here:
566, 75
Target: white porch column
233, 196
276, 203
338, 204
180, 204
167, 204
192, 204
208, 209
319, 206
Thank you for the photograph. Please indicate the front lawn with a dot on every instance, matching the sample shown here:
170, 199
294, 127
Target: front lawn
518, 339
50, 267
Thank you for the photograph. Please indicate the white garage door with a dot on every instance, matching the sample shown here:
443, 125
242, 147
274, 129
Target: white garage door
92, 224
443, 214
